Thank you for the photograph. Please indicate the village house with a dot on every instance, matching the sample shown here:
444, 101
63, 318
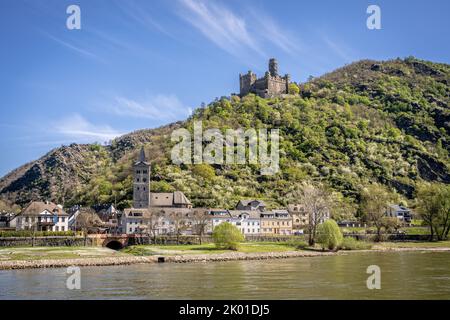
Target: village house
247, 221
276, 222
6, 219
301, 218
219, 216
402, 213
42, 216
251, 205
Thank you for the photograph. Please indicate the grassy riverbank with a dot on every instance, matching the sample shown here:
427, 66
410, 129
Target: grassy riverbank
412, 245
56, 253
45, 257
208, 248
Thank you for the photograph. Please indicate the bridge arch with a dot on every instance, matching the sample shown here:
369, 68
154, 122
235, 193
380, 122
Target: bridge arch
115, 243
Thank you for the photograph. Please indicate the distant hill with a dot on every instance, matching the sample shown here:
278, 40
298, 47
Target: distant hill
371, 121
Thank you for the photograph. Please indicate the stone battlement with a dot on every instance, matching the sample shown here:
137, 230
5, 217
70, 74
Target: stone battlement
268, 86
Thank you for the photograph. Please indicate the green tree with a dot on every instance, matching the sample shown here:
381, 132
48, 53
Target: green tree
204, 170
375, 200
227, 236
329, 235
293, 89
434, 208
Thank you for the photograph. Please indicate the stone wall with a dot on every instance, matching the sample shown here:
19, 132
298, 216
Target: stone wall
44, 242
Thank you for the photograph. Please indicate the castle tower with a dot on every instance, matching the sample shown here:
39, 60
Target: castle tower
273, 67
141, 182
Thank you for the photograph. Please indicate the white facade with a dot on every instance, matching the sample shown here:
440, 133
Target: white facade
244, 222
47, 220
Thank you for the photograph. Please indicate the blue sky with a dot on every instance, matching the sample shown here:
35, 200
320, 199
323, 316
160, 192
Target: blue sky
142, 64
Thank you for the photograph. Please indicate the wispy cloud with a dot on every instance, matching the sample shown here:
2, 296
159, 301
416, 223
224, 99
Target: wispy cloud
78, 129
159, 107
141, 15
340, 50
78, 50
267, 28
220, 25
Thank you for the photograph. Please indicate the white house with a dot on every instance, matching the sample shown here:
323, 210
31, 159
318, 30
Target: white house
42, 216
247, 221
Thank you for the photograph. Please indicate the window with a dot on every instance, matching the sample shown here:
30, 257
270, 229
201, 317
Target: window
63, 219
138, 172
56, 228
63, 229
144, 172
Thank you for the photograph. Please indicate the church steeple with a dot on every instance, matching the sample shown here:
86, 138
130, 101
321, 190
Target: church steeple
141, 182
142, 155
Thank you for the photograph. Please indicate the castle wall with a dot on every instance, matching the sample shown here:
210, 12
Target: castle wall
270, 85
276, 85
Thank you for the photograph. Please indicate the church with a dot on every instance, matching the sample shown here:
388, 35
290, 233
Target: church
147, 205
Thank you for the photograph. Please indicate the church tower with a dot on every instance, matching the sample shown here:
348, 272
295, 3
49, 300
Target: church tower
141, 182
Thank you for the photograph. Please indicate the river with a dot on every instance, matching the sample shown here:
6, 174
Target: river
404, 275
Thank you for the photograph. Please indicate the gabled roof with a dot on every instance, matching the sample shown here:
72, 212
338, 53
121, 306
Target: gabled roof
255, 203
168, 199
251, 213
399, 208
37, 207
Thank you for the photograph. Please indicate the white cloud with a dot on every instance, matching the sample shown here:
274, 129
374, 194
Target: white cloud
340, 50
78, 129
220, 25
141, 16
269, 29
159, 107
74, 48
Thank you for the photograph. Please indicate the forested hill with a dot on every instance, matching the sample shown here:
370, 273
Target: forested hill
386, 122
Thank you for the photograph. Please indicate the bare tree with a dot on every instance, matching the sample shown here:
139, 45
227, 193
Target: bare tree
153, 223
179, 222
316, 202
87, 221
200, 220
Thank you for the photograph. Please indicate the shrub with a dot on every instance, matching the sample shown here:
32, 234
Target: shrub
329, 235
204, 170
227, 236
297, 243
29, 233
350, 243
293, 88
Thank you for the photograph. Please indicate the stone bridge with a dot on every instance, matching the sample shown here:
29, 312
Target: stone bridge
115, 242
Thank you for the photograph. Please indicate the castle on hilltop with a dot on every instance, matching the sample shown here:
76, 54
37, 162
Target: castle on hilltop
272, 84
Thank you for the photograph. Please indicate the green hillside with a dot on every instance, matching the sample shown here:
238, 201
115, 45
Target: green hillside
386, 122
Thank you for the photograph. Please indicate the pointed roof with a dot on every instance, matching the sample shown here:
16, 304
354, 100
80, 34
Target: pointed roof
142, 157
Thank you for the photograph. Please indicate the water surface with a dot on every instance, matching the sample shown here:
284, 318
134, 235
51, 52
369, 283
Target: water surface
404, 275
